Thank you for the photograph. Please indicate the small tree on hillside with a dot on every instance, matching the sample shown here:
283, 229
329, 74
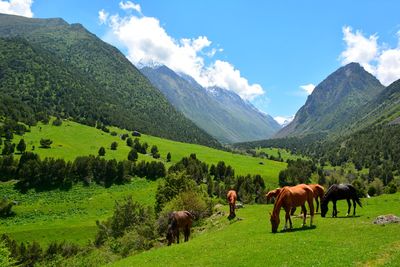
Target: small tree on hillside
45, 143
133, 155
129, 142
114, 145
168, 157
21, 147
154, 152
102, 151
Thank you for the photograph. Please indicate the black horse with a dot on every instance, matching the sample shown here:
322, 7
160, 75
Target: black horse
338, 192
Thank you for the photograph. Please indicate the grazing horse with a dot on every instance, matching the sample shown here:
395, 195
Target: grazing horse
289, 198
231, 196
179, 220
318, 193
338, 192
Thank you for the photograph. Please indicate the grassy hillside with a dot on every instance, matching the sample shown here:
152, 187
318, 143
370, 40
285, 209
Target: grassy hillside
73, 139
67, 215
343, 241
52, 67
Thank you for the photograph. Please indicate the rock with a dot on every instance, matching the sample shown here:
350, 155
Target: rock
385, 219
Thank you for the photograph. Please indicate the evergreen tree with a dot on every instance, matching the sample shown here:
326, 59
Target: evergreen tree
114, 145
21, 147
133, 155
129, 142
168, 157
102, 151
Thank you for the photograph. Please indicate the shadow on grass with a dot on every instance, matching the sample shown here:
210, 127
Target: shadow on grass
304, 228
342, 217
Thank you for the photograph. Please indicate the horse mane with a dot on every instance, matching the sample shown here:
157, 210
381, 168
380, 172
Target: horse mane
278, 201
327, 194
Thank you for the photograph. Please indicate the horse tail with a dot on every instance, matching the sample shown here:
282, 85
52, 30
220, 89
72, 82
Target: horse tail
357, 199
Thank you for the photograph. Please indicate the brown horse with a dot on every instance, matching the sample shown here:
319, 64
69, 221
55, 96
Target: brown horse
179, 220
289, 198
319, 192
231, 197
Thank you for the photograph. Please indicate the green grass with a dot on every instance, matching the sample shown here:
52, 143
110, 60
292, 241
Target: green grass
68, 215
73, 139
343, 241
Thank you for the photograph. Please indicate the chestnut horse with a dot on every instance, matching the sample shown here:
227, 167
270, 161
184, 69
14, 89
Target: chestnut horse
231, 197
291, 197
318, 193
179, 220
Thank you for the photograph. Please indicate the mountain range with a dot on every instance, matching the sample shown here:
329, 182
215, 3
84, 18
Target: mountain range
51, 67
220, 112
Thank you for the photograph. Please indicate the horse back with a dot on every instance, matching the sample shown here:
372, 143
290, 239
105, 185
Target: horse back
182, 218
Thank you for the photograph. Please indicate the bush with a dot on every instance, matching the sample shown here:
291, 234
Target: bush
5, 208
391, 188
45, 143
5, 255
57, 122
114, 145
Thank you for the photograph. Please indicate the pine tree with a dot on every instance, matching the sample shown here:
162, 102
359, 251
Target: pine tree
168, 157
21, 147
133, 155
102, 151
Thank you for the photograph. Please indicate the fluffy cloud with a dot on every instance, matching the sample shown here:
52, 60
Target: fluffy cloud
147, 42
103, 16
129, 5
308, 88
381, 61
17, 7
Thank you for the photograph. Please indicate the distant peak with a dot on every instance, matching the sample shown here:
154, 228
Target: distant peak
149, 64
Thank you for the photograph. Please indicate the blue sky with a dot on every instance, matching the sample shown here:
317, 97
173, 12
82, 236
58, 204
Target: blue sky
266, 51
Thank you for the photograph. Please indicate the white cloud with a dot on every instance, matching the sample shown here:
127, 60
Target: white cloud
17, 7
129, 5
378, 59
284, 120
308, 88
103, 16
146, 42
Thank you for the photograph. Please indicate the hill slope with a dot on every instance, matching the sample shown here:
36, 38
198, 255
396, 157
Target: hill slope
335, 103
221, 113
119, 94
249, 242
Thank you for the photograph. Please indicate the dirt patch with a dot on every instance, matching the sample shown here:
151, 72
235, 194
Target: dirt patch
385, 219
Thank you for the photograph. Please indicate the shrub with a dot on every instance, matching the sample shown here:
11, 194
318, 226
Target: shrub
57, 122
5, 255
45, 143
102, 151
114, 145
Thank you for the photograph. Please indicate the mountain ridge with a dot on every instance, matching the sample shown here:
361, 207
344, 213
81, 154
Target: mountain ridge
220, 112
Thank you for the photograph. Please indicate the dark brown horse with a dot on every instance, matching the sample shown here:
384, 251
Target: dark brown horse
231, 196
337, 192
291, 197
179, 220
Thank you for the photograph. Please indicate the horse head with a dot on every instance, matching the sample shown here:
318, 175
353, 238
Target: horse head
274, 222
324, 209
170, 235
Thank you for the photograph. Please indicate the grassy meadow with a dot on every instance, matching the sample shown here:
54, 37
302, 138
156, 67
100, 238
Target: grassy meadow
68, 215
73, 139
342, 241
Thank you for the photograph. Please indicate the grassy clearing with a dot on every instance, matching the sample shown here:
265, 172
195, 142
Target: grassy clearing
68, 215
343, 241
72, 139
285, 154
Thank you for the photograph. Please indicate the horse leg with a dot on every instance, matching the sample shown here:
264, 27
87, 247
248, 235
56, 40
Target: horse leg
311, 207
316, 200
177, 236
334, 212
186, 233
354, 206
349, 207
303, 209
